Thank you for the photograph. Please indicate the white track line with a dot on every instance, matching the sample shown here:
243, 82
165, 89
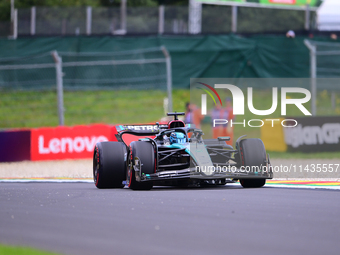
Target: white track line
288, 186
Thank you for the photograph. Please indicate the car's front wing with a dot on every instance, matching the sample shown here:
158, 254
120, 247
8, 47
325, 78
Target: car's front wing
193, 173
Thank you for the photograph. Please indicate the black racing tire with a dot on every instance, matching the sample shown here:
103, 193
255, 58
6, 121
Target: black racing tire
109, 165
252, 183
146, 154
252, 153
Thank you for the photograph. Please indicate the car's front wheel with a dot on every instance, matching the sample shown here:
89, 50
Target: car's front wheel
141, 155
253, 157
109, 165
252, 183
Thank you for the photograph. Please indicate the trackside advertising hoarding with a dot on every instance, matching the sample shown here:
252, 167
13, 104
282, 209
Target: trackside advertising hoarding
314, 134
68, 142
290, 2
267, 2
15, 145
59, 143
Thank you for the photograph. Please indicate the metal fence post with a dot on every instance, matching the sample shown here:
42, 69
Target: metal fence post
195, 17
33, 19
161, 19
312, 52
60, 92
307, 18
123, 15
15, 24
313, 82
234, 18
88, 20
12, 10
168, 76
333, 100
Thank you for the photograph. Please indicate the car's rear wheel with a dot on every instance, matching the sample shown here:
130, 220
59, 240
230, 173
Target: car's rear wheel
109, 165
144, 153
253, 157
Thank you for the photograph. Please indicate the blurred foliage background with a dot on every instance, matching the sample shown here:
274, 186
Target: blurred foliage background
5, 5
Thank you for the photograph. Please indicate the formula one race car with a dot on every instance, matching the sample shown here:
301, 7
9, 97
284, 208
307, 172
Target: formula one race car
176, 155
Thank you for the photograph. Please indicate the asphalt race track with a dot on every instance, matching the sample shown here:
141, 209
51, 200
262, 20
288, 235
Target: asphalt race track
77, 218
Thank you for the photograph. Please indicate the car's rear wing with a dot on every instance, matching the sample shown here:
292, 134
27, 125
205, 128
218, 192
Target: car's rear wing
135, 132
151, 129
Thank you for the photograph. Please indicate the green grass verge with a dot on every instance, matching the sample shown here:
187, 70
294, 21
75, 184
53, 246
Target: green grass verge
18, 250
36, 109
27, 109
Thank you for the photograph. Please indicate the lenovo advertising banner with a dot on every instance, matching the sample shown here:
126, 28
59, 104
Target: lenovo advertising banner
313, 134
68, 142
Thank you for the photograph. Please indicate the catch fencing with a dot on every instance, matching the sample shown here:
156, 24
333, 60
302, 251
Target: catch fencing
53, 84
197, 18
324, 63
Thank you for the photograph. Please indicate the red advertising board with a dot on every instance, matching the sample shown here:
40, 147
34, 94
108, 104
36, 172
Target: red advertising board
283, 1
68, 142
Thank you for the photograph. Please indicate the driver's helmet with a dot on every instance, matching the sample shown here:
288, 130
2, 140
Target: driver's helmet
177, 137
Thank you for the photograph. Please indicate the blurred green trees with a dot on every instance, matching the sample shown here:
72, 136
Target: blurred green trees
5, 5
